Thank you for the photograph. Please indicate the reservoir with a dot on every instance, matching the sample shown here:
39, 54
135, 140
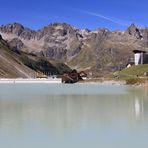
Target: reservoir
73, 116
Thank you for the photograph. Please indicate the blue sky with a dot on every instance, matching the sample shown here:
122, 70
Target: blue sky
91, 14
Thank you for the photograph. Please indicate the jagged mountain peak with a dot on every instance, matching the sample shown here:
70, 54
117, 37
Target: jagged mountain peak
133, 25
12, 28
18, 30
14, 25
133, 28
134, 31
57, 26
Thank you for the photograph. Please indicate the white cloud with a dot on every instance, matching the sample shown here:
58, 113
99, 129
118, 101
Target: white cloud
113, 20
119, 22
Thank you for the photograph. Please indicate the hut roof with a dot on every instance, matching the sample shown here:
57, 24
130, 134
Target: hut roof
139, 51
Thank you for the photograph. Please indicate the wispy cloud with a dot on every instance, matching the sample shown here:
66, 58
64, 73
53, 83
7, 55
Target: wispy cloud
113, 20
108, 18
116, 21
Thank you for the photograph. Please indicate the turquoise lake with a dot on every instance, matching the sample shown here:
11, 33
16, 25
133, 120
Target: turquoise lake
73, 116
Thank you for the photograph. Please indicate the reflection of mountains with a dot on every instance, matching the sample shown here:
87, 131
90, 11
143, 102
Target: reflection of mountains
61, 113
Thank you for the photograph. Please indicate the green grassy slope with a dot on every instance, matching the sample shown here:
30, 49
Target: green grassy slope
133, 75
135, 70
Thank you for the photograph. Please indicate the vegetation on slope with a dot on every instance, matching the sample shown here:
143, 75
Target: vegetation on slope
134, 74
138, 70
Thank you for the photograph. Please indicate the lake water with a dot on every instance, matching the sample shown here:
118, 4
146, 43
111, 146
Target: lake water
73, 116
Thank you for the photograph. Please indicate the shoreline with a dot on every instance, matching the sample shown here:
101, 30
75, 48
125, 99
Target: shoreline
103, 82
112, 82
59, 81
30, 81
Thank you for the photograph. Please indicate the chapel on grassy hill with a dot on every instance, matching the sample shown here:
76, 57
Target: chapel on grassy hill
140, 57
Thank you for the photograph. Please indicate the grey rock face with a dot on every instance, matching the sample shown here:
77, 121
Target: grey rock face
19, 30
12, 28
16, 44
53, 53
134, 31
144, 32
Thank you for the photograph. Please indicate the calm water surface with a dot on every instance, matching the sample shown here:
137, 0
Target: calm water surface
73, 116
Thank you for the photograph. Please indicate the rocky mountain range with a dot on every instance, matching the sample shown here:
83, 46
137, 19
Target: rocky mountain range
18, 64
98, 52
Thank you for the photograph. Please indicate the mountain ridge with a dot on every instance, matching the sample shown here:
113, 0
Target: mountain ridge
97, 52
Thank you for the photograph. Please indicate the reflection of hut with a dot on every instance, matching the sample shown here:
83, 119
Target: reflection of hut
139, 56
139, 107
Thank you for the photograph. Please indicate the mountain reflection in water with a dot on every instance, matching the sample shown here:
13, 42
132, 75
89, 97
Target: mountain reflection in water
104, 115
